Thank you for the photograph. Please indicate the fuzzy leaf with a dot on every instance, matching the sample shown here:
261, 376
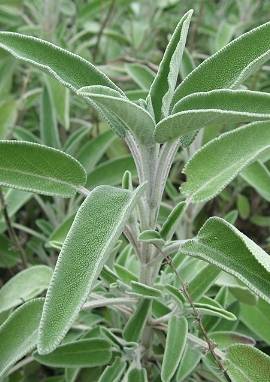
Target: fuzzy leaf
83, 353
162, 89
221, 244
229, 66
32, 167
247, 364
145, 290
24, 286
135, 325
113, 373
215, 107
48, 124
97, 225
190, 360
68, 68
137, 375
174, 347
225, 339
18, 334
133, 118
172, 221
208, 172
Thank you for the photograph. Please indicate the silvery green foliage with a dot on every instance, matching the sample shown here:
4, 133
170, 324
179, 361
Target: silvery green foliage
147, 298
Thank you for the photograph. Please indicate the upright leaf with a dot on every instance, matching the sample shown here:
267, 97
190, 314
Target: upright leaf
18, 334
114, 372
229, 66
48, 124
220, 160
33, 167
200, 110
162, 89
141, 74
24, 285
174, 347
136, 323
221, 244
68, 68
97, 225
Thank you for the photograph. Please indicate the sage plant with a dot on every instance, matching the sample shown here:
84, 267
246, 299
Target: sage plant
162, 324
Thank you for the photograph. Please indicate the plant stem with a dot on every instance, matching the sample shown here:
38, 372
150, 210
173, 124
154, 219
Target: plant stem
11, 232
184, 289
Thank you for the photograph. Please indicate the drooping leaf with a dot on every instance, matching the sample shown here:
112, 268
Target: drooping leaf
68, 68
82, 353
200, 110
229, 66
24, 285
97, 225
136, 323
32, 167
221, 244
219, 161
133, 118
162, 89
18, 334
247, 364
174, 347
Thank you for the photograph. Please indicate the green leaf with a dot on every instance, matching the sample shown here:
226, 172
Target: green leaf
174, 347
172, 221
257, 319
114, 372
58, 236
32, 167
210, 307
225, 339
151, 236
162, 89
187, 64
247, 364
8, 257
135, 325
24, 286
257, 175
141, 74
215, 107
243, 206
145, 291
71, 70
229, 66
221, 244
189, 361
208, 172
91, 152
110, 172
96, 228
60, 100
48, 124
83, 353
18, 334
8, 114
137, 375
133, 118
203, 281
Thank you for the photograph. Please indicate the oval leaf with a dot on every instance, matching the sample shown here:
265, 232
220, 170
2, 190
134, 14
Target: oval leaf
68, 68
229, 66
32, 167
83, 353
24, 286
18, 334
216, 107
174, 347
221, 244
219, 161
97, 225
